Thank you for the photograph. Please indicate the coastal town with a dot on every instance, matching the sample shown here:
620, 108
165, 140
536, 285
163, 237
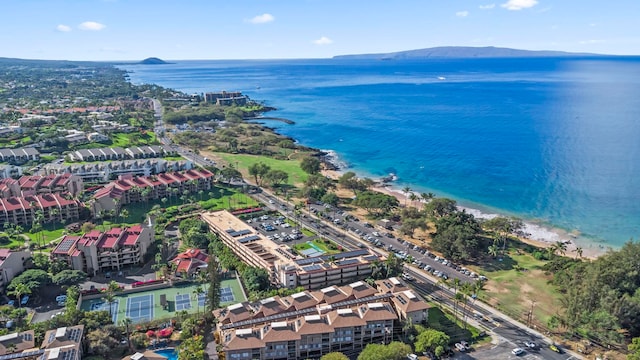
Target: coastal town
145, 223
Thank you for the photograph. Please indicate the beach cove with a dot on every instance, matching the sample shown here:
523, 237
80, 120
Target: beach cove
534, 139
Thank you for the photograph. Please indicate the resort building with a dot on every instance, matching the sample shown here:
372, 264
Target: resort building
63, 343
106, 171
117, 153
17, 342
12, 264
10, 171
190, 261
128, 189
36, 184
225, 98
286, 268
309, 324
19, 156
104, 251
23, 210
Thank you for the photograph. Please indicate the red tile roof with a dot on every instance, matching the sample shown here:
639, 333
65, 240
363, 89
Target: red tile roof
189, 260
132, 235
110, 239
48, 181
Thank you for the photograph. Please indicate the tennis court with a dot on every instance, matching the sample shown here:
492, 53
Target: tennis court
140, 308
183, 302
102, 306
148, 305
226, 295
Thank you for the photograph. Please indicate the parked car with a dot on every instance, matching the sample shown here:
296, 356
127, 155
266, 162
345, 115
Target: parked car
517, 351
530, 344
25, 300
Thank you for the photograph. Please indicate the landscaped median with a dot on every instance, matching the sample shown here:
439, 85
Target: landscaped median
324, 246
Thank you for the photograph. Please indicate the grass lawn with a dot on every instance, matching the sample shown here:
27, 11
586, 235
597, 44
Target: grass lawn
50, 233
513, 291
126, 140
319, 244
291, 167
453, 327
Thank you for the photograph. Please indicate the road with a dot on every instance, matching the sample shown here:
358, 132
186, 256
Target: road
352, 234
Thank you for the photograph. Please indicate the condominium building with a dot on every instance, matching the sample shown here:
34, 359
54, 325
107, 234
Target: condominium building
20, 155
17, 342
12, 264
98, 251
10, 171
106, 171
23, 210
286, 268
129, 189
63, 343
36, 184
118, 153
310, 324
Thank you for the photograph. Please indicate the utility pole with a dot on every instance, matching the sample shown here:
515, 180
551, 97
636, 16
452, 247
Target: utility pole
530, 315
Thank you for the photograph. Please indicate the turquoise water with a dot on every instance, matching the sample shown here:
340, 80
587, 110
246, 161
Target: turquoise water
550, 140
171, 354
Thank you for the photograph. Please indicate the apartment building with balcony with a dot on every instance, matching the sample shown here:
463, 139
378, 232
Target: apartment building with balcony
98, 251
20, 155
12, 264
118, 153
10, 171
106, 171
36, 184
286, 268
131, 189
17, 342
23, 210
63, 343
309, 324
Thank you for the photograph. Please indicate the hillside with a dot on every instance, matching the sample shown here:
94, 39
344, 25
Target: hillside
463, 52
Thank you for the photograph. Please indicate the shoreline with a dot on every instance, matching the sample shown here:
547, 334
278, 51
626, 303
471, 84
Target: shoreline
536, 235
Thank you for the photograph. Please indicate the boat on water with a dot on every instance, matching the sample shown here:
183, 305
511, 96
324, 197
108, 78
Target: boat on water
441, 78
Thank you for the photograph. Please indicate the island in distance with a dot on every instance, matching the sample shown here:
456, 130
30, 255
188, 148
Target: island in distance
463, 52
153, 61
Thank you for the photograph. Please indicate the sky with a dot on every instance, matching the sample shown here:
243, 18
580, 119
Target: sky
108, 30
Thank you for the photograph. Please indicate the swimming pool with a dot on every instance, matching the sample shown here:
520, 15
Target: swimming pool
171, 354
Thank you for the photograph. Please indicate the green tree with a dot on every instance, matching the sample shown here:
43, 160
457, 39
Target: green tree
394, 351
33, 278
457, 236
191, 348
634, 349
432, 340
19, 290
276, 177
256, 279
213, 292
258, 171
100, 343
440, 207
334, 356
69, 277
310, 165
330, 198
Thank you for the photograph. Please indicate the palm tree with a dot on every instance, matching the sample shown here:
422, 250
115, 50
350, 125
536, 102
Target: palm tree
493, 250
406, 190
124, 213
427, 196
126, 322
413, 197
19, 290
578, 252
560, 247
196, 295
456, 299
466, 290
109, 298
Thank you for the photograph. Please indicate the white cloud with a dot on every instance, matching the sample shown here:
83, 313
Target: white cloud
487, 7
323, 41
91, 26
519, 4
63, 28
462, 13
262, 19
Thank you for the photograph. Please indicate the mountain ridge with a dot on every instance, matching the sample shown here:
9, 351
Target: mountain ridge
464, 52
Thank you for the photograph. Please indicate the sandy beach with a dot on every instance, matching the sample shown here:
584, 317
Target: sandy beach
537, 235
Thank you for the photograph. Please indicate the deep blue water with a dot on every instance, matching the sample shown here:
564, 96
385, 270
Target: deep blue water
170, 354
551, 140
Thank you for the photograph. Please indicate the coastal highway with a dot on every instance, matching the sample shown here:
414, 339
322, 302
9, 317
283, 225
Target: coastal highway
511, 333
426, 285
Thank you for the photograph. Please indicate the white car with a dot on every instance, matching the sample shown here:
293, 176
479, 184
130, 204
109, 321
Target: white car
530, 344
517, 351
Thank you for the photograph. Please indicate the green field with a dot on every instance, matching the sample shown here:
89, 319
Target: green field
516, 283
291, 167
319, 244
126, 140
158, 312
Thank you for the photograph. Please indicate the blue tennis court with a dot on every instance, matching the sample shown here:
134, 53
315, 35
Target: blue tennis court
102, 306
202, 299
183, 302
226, 295
140, 308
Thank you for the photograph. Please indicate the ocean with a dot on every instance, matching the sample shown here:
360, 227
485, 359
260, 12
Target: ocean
554, 141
